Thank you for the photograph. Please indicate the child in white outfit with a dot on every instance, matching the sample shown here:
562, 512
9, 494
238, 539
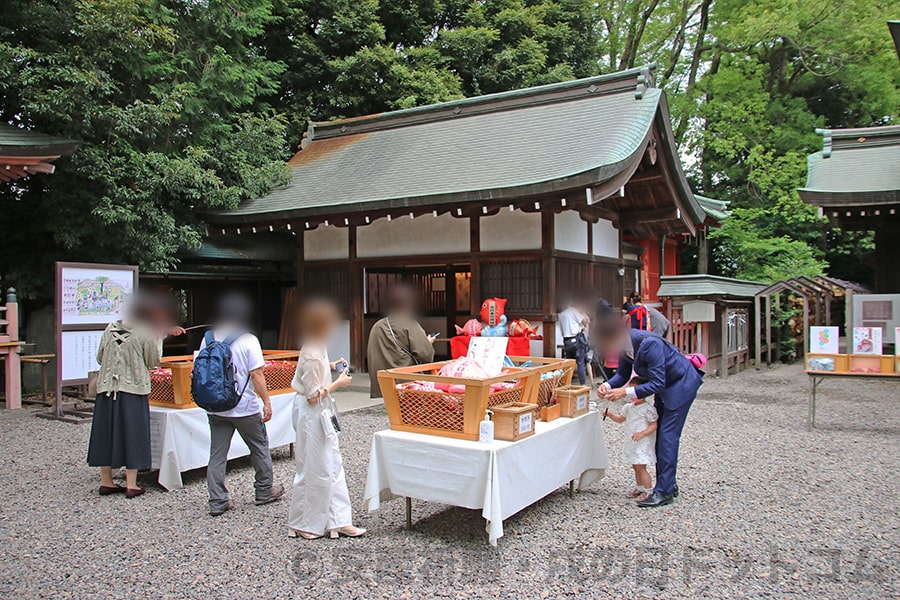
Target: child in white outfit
639, 446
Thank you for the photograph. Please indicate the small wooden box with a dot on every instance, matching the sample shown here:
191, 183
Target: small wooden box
513, 421
550, 413
836, 363
574, 400
871, 363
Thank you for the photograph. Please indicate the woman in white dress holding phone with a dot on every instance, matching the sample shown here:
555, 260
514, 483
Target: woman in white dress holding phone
320, 503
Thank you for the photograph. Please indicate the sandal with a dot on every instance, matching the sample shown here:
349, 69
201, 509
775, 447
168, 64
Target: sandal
293, 533
636, 492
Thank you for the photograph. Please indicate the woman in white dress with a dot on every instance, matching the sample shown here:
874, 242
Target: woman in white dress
639, 444
320, 503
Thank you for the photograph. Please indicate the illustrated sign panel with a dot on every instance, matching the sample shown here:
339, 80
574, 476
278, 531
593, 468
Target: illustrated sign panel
94, 295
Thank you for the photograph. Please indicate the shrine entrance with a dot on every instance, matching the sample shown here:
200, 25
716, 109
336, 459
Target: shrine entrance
445, 295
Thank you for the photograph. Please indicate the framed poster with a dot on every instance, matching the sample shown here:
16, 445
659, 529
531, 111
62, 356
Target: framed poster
823, 340
866, 340
90, 295
88, 298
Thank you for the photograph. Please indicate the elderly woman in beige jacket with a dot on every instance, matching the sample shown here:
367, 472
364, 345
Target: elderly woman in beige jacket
120, 429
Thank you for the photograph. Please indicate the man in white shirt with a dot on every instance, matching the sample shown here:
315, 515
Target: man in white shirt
248, 418
572, 323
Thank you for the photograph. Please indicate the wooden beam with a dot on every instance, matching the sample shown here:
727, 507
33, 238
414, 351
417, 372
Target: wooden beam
636, 217
647, 176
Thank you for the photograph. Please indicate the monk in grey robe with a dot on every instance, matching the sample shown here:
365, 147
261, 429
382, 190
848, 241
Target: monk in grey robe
398, 340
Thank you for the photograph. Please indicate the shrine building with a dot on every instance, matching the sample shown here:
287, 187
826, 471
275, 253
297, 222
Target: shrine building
517, 195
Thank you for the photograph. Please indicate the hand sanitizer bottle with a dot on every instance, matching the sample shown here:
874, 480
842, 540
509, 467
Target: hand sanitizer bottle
486, 430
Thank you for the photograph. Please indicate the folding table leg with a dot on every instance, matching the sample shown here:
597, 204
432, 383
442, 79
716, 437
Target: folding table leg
408, 513
572, 489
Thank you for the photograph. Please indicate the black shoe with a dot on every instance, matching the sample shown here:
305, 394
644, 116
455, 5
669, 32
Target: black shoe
675, 491
656, 499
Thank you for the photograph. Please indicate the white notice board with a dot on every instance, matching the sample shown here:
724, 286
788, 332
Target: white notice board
79, 354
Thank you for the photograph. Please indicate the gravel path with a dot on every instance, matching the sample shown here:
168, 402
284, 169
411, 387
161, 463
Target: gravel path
767, 509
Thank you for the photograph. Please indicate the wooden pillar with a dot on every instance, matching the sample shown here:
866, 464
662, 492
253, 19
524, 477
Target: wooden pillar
475, 266
768, 329
356, 309
300, 266
12, 359
548, 276
757, 328
724, 309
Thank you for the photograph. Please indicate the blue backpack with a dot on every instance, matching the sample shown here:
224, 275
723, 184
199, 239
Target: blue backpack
212, 383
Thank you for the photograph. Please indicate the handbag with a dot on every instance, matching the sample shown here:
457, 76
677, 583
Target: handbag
330, 420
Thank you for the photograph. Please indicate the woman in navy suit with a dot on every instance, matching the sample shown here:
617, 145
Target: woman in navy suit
671, 378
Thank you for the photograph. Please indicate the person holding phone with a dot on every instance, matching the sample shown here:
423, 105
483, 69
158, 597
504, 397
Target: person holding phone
320, 503
398, 340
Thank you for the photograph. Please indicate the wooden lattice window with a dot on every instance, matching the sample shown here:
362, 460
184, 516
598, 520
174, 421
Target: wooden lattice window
518, 281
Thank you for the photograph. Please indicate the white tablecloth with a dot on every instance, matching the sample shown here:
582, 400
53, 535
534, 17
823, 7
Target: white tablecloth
500, 478
179, 438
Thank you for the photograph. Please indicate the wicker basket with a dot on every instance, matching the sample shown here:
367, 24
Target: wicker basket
449, 414
170, 384
546, 387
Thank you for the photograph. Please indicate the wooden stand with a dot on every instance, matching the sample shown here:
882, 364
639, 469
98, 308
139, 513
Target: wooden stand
513, 421
551, 413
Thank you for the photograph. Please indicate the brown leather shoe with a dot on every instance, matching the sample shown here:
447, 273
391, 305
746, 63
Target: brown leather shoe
134, 493
106, 490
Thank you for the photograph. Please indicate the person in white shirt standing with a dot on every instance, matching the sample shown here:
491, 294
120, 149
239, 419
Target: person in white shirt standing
572, 324
248, 417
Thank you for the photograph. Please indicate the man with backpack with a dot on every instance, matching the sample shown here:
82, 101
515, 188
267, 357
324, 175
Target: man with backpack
228, 382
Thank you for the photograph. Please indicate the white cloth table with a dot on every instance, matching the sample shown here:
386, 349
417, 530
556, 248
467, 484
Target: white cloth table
179, 438
500, 478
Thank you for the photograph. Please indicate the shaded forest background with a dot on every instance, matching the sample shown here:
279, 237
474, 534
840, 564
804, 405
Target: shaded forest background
186, 105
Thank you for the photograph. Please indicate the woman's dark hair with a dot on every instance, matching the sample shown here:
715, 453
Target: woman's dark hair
635, 297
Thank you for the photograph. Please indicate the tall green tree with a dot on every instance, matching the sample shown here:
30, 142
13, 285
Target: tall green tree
165, 95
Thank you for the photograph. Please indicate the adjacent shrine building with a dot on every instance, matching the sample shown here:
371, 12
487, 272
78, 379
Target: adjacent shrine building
572, 185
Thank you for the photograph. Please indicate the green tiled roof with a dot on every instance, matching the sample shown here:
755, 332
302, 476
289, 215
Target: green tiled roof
716, 209
682, 286
544, 140
15, 141
856, 166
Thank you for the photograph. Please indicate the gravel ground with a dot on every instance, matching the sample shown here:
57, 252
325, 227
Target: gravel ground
767, 509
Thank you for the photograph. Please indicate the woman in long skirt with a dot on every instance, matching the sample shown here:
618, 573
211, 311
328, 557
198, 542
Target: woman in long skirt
320, 502
120, 429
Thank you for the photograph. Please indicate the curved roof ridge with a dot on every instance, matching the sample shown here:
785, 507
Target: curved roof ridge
636, 80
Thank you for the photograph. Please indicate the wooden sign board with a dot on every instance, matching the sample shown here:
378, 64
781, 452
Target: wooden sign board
88, 298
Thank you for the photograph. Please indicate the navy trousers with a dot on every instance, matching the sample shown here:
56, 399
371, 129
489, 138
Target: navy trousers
668, 438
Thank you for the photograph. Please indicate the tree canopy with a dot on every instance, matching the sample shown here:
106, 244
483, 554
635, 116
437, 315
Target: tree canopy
188, 105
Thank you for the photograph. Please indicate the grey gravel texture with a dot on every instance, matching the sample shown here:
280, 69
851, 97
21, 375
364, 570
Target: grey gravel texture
767, 510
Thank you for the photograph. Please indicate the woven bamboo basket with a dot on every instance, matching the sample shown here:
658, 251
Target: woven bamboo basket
546, 387
447, 414
170, 384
